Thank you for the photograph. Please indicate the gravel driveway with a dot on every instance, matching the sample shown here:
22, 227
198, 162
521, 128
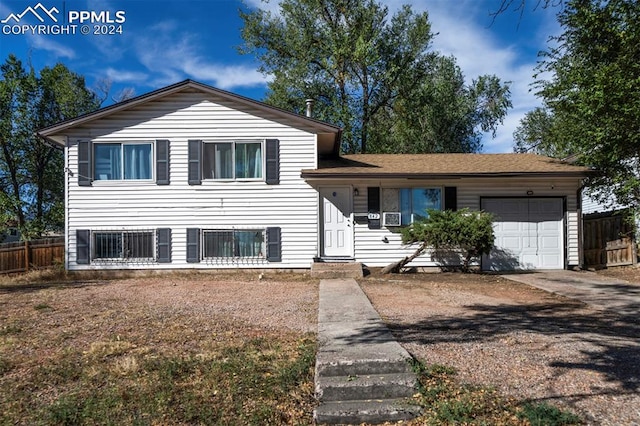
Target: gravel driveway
526, 342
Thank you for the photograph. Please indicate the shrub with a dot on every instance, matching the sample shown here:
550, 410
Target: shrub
466, 231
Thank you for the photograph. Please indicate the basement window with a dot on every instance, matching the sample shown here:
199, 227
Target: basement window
127, 245
218, 243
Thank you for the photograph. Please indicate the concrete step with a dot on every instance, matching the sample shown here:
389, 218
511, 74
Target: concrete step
329, 270
357, 387
362, 367
369, 411
362, 374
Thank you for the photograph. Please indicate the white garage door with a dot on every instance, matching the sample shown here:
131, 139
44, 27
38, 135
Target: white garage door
529, 233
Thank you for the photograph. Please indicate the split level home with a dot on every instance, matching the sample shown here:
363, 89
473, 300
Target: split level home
193, 177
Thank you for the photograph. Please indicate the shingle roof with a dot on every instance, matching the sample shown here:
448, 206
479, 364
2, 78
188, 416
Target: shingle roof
443, 165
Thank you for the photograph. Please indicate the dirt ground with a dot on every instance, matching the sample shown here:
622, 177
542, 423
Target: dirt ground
527, 343
627, 273
523, 341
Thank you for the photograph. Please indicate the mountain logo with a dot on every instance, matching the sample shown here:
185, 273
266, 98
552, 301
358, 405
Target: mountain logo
38, 11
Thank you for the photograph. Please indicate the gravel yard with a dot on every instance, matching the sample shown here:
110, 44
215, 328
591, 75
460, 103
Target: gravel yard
525, 342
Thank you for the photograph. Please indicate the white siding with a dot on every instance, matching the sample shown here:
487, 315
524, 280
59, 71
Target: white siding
380, 247
291, 205
591, 205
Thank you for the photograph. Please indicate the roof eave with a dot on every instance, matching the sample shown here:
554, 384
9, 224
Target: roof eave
320, 126
313, 175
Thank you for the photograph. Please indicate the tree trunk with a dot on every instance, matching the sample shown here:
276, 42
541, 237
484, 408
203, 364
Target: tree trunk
397, 266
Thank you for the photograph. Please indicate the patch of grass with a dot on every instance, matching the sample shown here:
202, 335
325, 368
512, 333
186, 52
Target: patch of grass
266, 380
543, 414
5, 366
42, 306
446, 401
10, 329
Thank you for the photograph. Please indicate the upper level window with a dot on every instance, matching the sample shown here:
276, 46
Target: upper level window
414, 203
232, 160
122, 161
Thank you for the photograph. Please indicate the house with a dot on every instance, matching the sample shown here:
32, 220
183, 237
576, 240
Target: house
190, 176
9, 232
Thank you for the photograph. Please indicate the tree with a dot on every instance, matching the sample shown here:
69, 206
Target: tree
538, 133
443, 114
31, 170
467, 232
592, 98
361, 66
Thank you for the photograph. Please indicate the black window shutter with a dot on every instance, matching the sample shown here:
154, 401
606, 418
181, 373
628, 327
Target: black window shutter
193, 245
274, 245
272, 149
195, 156
450, 198
84, 163
162, 162
373, 206
163, 239
82, 246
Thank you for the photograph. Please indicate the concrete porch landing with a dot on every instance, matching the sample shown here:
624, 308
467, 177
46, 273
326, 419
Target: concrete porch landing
336, 270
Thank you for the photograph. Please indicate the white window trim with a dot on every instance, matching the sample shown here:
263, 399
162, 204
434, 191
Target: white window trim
122, 143
263, 160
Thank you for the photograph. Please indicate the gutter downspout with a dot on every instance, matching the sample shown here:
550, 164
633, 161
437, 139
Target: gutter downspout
66, 202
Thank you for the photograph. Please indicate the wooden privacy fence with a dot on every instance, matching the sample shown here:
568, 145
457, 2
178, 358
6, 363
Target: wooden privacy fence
22, 256
608, 241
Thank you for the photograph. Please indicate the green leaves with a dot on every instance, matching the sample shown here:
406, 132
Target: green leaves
464, 230
31, 171
592, 97
373, 74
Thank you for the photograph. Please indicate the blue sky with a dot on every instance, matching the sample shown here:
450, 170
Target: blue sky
160, 42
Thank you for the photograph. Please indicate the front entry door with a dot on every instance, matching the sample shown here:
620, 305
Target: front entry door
337, 229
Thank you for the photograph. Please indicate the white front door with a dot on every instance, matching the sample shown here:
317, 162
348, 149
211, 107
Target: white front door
337, 229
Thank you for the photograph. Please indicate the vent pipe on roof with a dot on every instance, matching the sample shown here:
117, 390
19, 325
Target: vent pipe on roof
309, 107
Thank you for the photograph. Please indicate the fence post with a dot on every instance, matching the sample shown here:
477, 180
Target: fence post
26, 255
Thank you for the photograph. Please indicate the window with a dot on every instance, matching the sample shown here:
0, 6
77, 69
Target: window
414, 203
122, 161
232, 160
233, 243
123, 245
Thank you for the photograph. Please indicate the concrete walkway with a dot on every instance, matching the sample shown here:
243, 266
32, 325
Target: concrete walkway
350, 329
362, 373
595, 290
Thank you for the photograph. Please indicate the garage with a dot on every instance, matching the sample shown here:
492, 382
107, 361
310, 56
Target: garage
529, 233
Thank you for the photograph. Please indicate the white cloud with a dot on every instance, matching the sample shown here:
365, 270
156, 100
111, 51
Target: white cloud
172, 56
120, 76
44, 43
224, 76
268, 5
